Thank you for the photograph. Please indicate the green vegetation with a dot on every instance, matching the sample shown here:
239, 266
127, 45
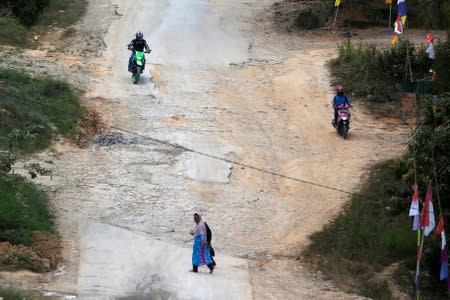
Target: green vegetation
372, 237
435, 13
370, 234
431, 143
19, 20
13, 33
374, 230
373, 73
9, 292
63, 13
68, 33
26, 11
23, 209
34, 110
442, 83
44, 12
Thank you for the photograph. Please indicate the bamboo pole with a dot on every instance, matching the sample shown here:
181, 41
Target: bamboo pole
390, 15
335, 18
420, 239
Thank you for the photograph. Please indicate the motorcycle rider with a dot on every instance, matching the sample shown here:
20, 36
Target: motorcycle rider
338, 100
137, 44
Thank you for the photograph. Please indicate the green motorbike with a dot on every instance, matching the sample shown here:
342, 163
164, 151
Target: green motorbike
138, 65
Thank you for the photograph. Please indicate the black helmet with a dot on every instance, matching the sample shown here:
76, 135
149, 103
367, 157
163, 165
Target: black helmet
139, 35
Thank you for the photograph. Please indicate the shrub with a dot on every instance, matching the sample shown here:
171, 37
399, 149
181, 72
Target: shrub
63, 13
13, 33
34, 110
307, 19
27, 11
374, 230
23, 209
373, 73
370, 234
442, 83
9, 292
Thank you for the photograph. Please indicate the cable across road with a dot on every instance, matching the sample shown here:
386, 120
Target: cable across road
242, 164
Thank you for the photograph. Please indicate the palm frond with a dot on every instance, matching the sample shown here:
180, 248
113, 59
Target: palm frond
430, 12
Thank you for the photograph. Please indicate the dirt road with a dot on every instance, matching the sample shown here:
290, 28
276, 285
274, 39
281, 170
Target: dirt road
226, 84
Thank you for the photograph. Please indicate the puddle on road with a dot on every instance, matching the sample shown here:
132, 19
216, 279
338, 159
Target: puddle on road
149, 288
207, 169
204, 168
49, 295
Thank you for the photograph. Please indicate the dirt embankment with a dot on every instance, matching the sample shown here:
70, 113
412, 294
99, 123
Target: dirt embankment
301, 15
44, 255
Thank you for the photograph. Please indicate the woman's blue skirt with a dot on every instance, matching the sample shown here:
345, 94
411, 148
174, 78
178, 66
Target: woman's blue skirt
201, 255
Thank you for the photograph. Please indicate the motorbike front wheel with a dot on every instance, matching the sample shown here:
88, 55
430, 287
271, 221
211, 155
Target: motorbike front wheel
135, 77
344, 130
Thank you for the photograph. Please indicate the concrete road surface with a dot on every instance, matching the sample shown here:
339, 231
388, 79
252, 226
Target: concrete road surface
130, 265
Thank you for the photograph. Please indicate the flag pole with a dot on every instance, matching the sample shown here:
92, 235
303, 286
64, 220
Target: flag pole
390, 15
335, 18
420, 238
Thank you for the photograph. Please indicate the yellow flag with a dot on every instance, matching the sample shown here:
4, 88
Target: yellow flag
337, 3
388, 1
394, 39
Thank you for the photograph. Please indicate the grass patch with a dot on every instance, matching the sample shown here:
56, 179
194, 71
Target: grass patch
63, 13
34, 110
372, 233
14, 34
68, 33
23, 209
9, 292
59, 13
376, 74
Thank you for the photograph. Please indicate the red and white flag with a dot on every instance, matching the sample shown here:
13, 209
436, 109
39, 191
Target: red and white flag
414, 208
427, 221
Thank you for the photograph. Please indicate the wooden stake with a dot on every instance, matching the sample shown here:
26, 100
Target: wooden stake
420, 238
390, 15
335, 18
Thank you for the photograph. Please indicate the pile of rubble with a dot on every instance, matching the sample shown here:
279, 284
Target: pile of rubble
113, 138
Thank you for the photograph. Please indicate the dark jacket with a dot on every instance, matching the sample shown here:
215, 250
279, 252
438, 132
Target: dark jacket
138, 45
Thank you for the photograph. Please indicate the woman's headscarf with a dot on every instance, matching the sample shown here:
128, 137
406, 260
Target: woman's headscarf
200, 228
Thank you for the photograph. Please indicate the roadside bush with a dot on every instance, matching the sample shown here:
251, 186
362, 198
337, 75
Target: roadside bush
369, 235
18, 16
374, 230
34, 110
13, 33
63, 13
306, 19
431, 145
375, 74
442, 83
27, 11
23, 209
294, 15
9, 292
